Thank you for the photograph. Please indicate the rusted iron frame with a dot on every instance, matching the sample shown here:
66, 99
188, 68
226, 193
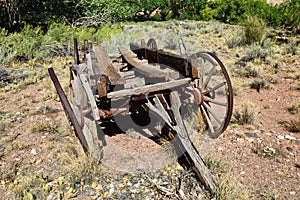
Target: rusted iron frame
68, 109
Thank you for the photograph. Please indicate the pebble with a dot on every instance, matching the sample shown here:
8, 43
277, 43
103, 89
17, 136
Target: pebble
288, 137
290, 149
292, 192
280, 137
250, 139
251, 135
33, 151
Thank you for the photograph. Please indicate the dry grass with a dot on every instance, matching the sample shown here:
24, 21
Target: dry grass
259, 84
292, 125
295, 108
245, 113
230, 189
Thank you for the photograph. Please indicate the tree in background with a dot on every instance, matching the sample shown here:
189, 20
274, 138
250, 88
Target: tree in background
16, 13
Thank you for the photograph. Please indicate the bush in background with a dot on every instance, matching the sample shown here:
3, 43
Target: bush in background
255, 30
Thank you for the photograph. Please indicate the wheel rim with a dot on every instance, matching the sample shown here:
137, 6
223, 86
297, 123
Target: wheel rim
215, 89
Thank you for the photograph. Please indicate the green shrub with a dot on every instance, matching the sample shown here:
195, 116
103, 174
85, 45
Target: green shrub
290, 13
228, 11
192, 9
261, 9
85, 33
58, 32
25, 44
255, 30
105, 32
207, 13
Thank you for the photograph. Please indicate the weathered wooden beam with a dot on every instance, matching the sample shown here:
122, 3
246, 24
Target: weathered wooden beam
199, 165
102, 58
177, 62
182, 137
148, 88
88, 91
146, 69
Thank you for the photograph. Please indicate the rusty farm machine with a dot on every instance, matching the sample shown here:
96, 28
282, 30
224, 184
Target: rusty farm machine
143, 83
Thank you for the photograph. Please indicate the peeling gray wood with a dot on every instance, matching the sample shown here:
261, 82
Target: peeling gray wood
148, 88
146, 69
89, 93
182, 136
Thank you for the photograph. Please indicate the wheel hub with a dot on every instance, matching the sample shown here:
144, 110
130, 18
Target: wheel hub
199, 96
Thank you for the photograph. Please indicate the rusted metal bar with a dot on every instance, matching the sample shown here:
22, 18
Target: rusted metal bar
68, 109
76, 54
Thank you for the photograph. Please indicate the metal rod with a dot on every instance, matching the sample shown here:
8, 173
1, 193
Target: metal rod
68, 110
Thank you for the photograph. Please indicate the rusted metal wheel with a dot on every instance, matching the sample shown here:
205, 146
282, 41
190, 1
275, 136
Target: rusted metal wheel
152, 44
213, 92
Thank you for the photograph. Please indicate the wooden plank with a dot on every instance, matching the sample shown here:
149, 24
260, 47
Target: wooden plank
177, 62
146, 69
148, 88
182, 137
134, 82
102, 58
113, 75
89, 92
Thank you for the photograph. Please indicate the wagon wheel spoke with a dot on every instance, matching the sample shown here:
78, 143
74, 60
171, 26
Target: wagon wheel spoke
214, 88
208, 78
213, 113
207, 119
207, 99
217, 97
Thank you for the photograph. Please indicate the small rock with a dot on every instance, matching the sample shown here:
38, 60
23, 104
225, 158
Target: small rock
292, 192
280, 137
250, 139
251, 135
33, 151
52, 196
290, 149
242, 173
38, 161
288, 137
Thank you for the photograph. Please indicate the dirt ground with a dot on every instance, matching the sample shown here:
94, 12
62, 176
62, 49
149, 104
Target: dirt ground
262, 156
